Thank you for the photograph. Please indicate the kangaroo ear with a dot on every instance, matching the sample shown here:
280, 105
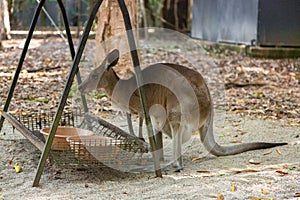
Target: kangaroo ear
112, 58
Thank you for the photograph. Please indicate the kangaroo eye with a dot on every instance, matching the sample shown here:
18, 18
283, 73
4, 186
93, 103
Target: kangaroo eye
95, 77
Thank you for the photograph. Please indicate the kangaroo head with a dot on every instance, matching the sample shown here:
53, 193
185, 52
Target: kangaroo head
101, 76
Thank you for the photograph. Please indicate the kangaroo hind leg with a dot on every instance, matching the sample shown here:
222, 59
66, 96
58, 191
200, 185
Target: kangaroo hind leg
177, 136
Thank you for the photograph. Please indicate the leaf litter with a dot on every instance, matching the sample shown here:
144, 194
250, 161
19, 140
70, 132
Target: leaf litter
263, 88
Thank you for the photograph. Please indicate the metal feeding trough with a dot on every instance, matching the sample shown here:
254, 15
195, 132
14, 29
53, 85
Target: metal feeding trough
109, 146
81, 141
95, 143
109, 138
60, 141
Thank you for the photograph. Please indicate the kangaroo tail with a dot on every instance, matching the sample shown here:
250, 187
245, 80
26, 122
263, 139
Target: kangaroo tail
218, 150
207, 137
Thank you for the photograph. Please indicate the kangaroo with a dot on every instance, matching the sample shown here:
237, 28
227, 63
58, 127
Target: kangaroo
175, 114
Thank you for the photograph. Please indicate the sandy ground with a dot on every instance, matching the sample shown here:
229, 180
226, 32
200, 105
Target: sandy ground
206, 177
274, 176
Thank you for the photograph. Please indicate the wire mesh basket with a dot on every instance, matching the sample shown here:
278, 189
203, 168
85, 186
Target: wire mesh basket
36, 121
108, 146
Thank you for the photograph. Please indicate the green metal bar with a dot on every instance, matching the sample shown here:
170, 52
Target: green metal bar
139, 79
65, 94
24, 131
21, 61
72, 50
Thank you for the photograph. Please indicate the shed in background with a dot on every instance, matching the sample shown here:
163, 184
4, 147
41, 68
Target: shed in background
252, 22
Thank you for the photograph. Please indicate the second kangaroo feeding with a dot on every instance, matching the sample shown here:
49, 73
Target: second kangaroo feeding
178, 99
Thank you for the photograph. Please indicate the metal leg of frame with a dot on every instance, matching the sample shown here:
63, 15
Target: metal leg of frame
65, 94
72, 49
22, 58
135, 60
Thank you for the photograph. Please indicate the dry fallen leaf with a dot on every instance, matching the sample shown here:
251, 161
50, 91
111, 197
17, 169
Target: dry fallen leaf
102, 189
236, 141
95, 112
245, 170
194, 159
220, 197
195, 133
261, 198
259, 94
268, 152
202, 171
212, 196
264, 192
228, 134
278, 151
9, 161
254, 162
125, 192
104, 115
233, 188
282, 172
297, 194
18, 168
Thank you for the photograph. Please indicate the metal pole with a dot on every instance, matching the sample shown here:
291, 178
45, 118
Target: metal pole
65, 94
52, 22
137, 69
72, 50
22, 58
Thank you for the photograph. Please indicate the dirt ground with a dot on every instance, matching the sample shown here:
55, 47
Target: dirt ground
265, 107
274, 174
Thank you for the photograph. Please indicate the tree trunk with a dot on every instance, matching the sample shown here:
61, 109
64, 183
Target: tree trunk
4, 20
176, 14
111, 33
1, 23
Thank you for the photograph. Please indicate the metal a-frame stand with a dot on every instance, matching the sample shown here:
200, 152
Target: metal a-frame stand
5, 114
74, 71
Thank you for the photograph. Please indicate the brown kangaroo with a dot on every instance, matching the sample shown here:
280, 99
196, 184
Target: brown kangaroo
180, 100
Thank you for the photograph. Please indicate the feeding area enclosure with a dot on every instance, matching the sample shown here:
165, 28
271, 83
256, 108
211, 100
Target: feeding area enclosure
74, 137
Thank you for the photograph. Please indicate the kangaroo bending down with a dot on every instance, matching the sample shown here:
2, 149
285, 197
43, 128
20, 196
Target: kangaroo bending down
176, 114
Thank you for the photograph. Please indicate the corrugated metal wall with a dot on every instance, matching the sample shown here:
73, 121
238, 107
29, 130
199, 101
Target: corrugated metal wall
24, 11
279, 23
226, 21
267, 22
